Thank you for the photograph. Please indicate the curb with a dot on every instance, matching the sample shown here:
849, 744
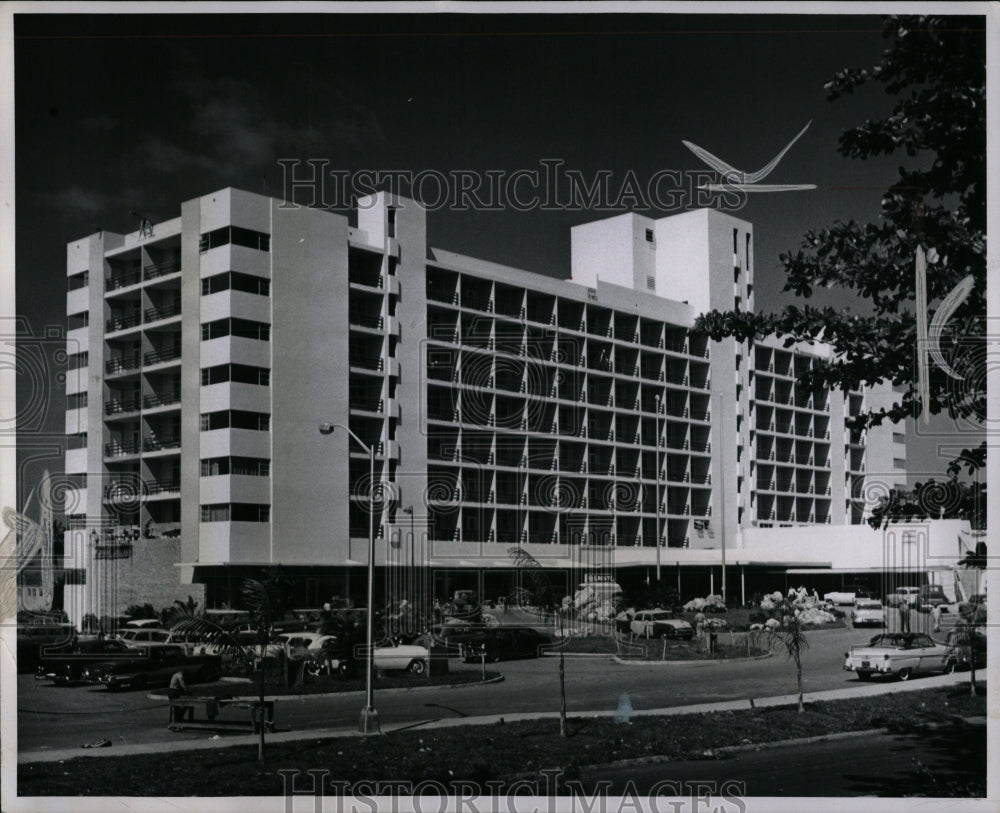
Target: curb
496, 679
698, 662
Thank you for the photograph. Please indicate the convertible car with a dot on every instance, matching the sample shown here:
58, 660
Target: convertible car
901, 654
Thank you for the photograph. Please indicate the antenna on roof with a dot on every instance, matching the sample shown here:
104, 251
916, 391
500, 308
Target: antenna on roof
145, 224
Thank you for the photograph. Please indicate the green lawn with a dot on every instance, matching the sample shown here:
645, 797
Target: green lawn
499, 753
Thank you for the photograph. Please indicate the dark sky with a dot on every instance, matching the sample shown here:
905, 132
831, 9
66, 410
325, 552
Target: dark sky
115, 113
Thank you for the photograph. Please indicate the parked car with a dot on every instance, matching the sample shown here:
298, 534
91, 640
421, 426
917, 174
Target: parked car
848, 594
901, 654
452, 637
868, 612
931, 595
152, 666
390, 655
68, 665
660, 624
136, 636
896, 596
139, 623
974, 610
503, 643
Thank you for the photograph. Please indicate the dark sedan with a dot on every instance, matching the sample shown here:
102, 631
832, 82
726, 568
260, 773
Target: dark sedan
502, 643
154, 666
68, 664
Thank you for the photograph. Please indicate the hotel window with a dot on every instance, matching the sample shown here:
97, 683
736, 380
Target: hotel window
238, 373
247, 283
240, 466
77, 400
243, 328
248, 238
235, 512
649, 236
235, 419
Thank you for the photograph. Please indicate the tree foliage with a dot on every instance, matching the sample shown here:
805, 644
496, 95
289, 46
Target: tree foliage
935, 69
950, 498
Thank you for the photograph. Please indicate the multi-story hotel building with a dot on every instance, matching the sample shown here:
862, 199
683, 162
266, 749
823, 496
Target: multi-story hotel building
581, 419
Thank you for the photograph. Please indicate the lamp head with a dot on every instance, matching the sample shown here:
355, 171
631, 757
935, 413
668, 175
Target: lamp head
326, 428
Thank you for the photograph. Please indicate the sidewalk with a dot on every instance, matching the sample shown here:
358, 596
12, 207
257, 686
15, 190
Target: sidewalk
172, 746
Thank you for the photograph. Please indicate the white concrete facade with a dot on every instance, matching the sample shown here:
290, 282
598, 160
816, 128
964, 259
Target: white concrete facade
506, 407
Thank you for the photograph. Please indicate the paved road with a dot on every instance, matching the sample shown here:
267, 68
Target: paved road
61, 717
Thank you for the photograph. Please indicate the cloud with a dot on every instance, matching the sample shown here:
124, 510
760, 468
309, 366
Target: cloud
76, 200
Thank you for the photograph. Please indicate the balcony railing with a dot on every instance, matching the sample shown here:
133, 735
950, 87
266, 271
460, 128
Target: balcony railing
157, 356
122, 364
160, 399
118, 448
165, 311
157, 444
161, 269
116, 281
118, 407
124, 321
161, 486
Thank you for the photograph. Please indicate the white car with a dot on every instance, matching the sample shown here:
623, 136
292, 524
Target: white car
141, 636
411, 657
660, 624
868, 611
847, 595
896, 596
899, 654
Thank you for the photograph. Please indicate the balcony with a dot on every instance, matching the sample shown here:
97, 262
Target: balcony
160, 356
150, 444
117, 448
116, 281
160, 399
115, 407
124, 321
154, 487
165, 311
122, 364
161, 269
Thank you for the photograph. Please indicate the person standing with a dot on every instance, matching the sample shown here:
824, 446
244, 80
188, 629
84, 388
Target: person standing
699, 628
904, 614
177, 685
936, 618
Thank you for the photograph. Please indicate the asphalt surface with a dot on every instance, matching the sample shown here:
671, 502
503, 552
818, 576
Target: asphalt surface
51, 717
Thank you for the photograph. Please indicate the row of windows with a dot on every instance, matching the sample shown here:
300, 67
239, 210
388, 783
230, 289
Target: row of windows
236, 281
235, 419
245, 328
246, 466
237, 236
240, 373
236, 512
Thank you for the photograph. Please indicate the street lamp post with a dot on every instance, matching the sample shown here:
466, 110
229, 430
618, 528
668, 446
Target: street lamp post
415, 589
656, 459
368, 723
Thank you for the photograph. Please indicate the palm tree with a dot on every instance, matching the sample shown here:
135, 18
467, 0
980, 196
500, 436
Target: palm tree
965, 635
790, 634
264, 601
547, 603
